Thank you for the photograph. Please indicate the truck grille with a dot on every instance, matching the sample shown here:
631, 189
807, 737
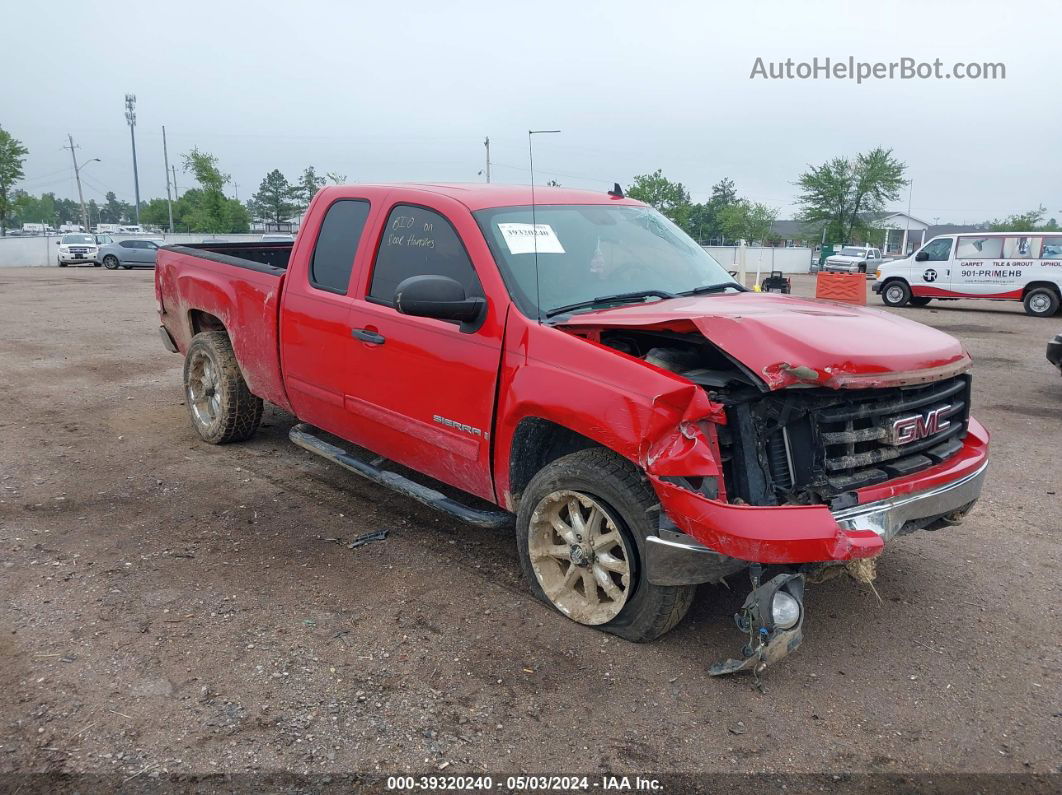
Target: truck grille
883, 436
811, 445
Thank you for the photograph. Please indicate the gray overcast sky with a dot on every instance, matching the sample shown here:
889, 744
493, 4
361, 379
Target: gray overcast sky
407, 91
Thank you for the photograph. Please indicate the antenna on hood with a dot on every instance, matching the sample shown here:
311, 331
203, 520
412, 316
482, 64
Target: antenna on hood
616, 191
534, 224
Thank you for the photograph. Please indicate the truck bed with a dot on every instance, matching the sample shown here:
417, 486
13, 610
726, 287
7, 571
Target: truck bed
234, 287
243, 255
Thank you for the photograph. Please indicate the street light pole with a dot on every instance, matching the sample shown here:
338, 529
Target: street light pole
130, 116
77, 176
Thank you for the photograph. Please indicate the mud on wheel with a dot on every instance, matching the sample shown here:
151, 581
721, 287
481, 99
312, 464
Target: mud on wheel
221, 406
581, 531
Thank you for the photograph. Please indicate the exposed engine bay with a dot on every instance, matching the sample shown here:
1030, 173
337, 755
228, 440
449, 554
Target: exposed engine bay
806, 444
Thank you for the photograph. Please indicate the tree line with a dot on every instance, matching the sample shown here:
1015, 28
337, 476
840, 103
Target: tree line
839, 201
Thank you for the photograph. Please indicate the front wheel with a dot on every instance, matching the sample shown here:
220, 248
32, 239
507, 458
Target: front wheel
896, 293
221, 406
581, 531
110, 262
916, 300
1041, 302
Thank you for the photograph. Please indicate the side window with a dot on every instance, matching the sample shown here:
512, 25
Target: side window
979, 248
1052, 248
938, 250
1021, 248
337, 243
419, 242
128, 244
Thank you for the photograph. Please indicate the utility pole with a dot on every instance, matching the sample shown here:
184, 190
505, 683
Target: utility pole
236, 185
130, 116
176, 193
77, 176
166, 160
486, 143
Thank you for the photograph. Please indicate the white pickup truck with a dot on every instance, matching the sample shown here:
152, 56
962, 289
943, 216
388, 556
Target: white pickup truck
853, 259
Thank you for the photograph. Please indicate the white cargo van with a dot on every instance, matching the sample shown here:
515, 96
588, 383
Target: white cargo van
1002, 266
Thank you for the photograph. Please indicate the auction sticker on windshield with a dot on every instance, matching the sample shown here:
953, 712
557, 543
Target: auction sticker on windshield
520, 238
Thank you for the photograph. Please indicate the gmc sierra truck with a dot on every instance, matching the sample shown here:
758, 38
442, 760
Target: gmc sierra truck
580, 364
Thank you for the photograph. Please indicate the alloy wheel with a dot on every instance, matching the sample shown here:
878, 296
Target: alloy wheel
581, 557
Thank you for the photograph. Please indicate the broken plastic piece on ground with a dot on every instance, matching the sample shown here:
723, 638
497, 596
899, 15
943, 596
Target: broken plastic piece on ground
365, 538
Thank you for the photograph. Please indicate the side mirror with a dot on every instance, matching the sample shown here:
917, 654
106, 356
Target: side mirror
921, 256
439, 297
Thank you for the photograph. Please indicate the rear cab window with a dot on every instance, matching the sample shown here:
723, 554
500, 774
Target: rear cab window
419, 242
337, 245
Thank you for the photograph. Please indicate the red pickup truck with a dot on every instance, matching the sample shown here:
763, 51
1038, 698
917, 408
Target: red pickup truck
575, 360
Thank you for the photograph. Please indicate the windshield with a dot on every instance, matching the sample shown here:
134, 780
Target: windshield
590, 251
78, 239
849, 251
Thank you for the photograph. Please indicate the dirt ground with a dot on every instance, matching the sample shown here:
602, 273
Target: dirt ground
171, 607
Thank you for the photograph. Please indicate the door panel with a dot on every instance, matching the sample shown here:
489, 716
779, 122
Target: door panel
425, 395
315, 330
932, 277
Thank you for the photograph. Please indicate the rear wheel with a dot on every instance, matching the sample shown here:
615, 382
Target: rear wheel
110, 262
221, 406
919, 300
581, 532
1041, 302
895, 293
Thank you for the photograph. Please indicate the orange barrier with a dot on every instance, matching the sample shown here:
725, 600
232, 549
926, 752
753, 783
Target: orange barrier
848, 288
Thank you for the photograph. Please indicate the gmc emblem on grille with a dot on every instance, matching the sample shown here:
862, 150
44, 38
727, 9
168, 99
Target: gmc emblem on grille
910, 429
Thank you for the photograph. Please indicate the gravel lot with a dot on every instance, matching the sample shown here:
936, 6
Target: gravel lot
167, 606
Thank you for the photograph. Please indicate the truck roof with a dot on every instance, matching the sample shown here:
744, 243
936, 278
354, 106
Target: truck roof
480, 196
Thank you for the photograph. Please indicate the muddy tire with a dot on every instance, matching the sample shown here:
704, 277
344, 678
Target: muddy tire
1041, 302
220, 405
590, 568
895, 293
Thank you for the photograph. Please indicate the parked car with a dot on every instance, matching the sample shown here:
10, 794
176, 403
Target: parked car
1054, 351
853, 259
76, 248
1000, 266
277, 237
128, 254
647, 423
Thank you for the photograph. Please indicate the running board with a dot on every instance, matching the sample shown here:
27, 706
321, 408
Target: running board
300, 435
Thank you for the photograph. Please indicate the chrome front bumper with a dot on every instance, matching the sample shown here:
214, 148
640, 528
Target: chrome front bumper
889, 518
674, 558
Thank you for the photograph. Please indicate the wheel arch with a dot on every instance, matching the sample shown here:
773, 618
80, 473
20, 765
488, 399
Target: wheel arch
536, 443
1028, 288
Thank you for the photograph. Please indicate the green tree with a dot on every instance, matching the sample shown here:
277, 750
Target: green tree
210, 211
274, 201
12, 156
670, 198
115, 211
844, 193
703, 219
155, 213
1031, 221
308, 185
746, 220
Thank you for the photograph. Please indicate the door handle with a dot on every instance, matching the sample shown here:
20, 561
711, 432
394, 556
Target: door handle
365, 335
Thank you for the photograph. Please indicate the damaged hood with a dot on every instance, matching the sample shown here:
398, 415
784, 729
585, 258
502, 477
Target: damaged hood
785, 340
